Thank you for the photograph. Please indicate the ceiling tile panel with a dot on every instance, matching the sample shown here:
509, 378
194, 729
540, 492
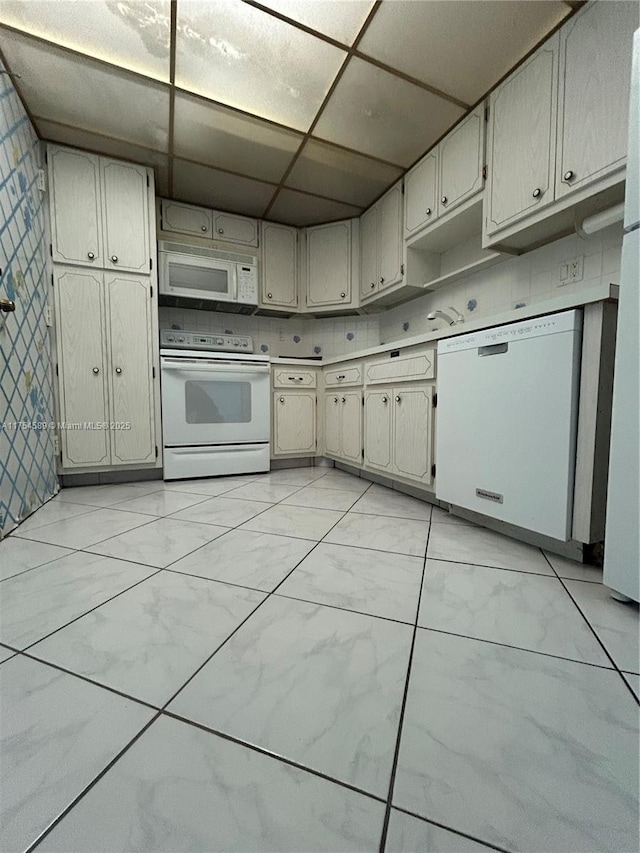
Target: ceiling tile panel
53, 132
82, 93
133, 35
382, 115
221, 137
340, 174
295, 208
209, 187
246, 58
338, 19
462, 48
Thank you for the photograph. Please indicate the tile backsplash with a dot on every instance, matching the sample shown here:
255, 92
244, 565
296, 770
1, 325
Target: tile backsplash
532, 278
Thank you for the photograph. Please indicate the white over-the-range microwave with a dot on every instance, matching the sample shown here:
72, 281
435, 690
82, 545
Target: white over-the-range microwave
195, 276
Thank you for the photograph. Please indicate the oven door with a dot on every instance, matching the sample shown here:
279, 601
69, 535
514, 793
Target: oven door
196, 277
207, 401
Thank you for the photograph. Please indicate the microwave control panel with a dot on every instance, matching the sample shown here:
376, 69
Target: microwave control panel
247, 284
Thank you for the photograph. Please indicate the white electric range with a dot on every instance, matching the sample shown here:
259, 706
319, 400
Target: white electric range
215, 405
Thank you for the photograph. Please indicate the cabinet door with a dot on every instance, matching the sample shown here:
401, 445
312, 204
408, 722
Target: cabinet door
279, 266
185, 219
332, 424
522, 114
329, 264
369, 252
125, 215
80, 340
595, 76
235, 229
420, 200
378, 408
294, 423
76, 216
129, 368
412, 440
461, 156
390, 242
351, 432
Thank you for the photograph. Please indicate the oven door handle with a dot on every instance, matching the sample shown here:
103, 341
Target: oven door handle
200, 364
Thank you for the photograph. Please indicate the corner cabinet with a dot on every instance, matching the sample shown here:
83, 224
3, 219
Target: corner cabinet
329, 265
381, 246
105, 365
99, 211
279, 267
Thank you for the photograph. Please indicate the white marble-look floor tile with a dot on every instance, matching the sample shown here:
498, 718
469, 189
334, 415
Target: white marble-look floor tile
292, 476
53, 511
159, 543
397, 535
320, 686
83, 531
461, 543
616, 623
336, 479
520, 750
373, 582
148, 641
409, 834
210, 486
19, 555
58, 733
378, 500
266, 492
5, 654
529, 611
313, 497
571, 569
38, 602
442, 516
258, 560
223, 511
161, 503
180, 788
633, 681
300, 522
105, 496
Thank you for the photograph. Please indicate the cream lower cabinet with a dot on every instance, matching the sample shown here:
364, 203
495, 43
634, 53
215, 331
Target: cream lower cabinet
343, 425
398, 431
294, 423
105, 367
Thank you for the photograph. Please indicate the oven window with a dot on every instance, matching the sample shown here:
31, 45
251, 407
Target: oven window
202, 279
215, 402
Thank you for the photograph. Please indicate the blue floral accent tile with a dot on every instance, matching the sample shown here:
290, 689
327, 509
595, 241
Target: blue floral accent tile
317, 350
228, 332
520, 305
264, 348
350, 336
296, 339
472, 304
176, 326
405, 326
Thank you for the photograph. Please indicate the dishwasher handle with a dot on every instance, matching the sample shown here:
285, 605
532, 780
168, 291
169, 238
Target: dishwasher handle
493, 349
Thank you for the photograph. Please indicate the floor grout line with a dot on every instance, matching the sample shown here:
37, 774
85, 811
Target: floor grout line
486, 844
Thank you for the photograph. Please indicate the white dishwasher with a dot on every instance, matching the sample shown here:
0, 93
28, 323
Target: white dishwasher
507, 421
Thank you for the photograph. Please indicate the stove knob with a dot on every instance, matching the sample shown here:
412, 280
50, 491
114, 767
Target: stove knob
181, 340
170, 338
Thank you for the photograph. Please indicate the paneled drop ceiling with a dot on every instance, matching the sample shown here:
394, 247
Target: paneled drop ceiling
298, 111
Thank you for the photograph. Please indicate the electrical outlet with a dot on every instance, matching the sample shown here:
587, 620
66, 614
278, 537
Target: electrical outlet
280, 334
56, 445
48, 315
571, 271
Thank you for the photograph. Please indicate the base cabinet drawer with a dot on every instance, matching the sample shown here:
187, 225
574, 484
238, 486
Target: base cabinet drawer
294, 423
293, 377
351, 375
408, 367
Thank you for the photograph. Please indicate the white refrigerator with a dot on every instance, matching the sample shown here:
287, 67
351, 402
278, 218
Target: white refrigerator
622, 537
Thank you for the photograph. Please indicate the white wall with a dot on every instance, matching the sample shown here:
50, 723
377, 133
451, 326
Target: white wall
528, 279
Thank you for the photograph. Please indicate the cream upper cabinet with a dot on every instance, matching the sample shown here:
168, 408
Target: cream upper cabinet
369, 252
420, 199
461, 161
343, 425
235, 229
279, 268
76, 213
522, 139
125, 216
593, 98
294, 423
99, 211
329, 265
185, 219
82, 357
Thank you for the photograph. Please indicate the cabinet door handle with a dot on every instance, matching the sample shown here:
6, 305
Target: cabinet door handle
385, 399
398, 399
114, 258
428, 211
118, 370
220, 230
343, 294
444, 199
569, 175
373, 284
537, 192
269, 295
381, 280
335, 399
341, 376
90, 255
282, 399
343, 400
203, 227
96, 370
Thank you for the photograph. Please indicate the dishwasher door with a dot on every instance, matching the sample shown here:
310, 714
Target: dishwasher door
507, 421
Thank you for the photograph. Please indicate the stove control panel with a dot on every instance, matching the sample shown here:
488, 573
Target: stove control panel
177, 339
